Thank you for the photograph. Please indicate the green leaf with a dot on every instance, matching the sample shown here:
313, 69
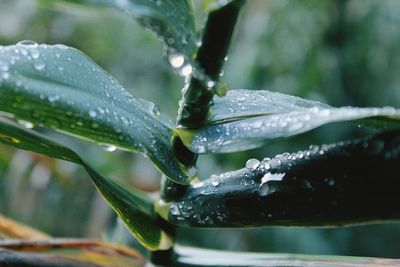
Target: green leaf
339, 184
171, 20
195, 257
60, 87
135, 209
246, 119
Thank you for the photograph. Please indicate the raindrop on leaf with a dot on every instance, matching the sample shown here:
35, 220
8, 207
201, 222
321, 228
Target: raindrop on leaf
252, 164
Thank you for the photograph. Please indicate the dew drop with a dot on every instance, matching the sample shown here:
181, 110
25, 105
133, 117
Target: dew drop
175, 210
108, 148
28, 43
3, 66
5, 75
26, 124
156, 110
267, 166
210, 84
252, 164
35, 54
39, 65
186, 70
215, 181
176, 60
92, 113
53, 98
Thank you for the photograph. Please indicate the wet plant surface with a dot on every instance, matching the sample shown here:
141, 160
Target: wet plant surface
54, 86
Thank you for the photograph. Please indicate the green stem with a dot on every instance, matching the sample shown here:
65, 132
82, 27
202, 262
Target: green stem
197, 96
197, 99
211, 57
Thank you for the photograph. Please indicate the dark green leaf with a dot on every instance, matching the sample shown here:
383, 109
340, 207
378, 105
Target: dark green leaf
246, 119
332, 185
60, 87
134, 208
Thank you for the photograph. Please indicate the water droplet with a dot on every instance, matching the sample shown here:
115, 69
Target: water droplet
156, 110
267, 166
186, 70
28, 43
3, 66
5, 75
53, 98
92, 113
35, 53
215, 181
26, 124
170, 41
108, 148
252, 164
39, 65
210, 84
176, 60
330, 182
175, 210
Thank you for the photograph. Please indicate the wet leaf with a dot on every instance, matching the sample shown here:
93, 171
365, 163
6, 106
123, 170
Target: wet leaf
135, 208
60, 87
67, 252
171, 20
246, 119
339, 184
194, 257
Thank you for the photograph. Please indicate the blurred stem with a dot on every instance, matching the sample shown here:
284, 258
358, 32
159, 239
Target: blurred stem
197, 96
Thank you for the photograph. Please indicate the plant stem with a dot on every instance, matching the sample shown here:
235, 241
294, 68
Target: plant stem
197, 96
211, 57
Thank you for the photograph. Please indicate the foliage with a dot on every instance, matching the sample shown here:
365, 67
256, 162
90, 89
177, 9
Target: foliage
59, 87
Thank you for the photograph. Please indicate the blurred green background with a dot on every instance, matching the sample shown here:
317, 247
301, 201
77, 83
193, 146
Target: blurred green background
342, 52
